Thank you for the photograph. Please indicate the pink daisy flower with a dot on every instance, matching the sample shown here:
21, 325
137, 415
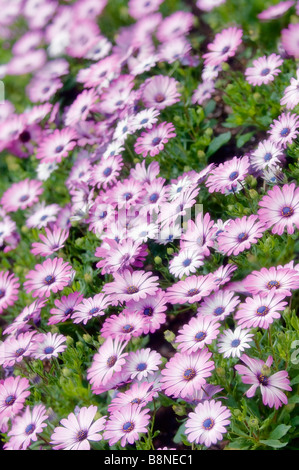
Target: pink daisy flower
126, 425
145, 119
139, 393
21, 195
267, 154
13, 350
51, 242
224, 46
208, 5
275, 11
119, 256
160, 92
185, 373
106, 172
9, 288
141, 8
289, 39
185, 262
206, 425
142, 363
177, 24
13, 393
125, 325
203, 92
223, 274
280, 209
27, 427
42, 215
233, 342
77, 430
50, 276
64, 308
57, 145
277, 279
90, 308
199, 332
199, 234
109, 359
257, 373
260, 312
151, 310
240, 234
176, 49
49, 345
30, 313
152, 142
220, 305
190, 290
284, 129
264, 70
129, 285
291, 94
227, 175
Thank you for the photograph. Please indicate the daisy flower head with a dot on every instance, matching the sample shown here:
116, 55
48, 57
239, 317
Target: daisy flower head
199, 234
89, 308
50, 276
57, 145
240, 234
139, 393
9, 288
260, 312
126, 424
284, 130
208, 5
184, 373
176, 49
280, 209
291, 94
42, 215
121, 255
177, 24
289, 39
263, 70
199, 332
190, 290
13, 393
64, 308
220, 305
78, 429
227, 175
186, 262
160, 91
142, 363
14, 349
223, 274
275, 11
267, 154
232, 343
126, 325
30, 313
203, 92
27, 427
281, 280
151, 310
49, 345
146, 118
129, 285
224, 46
257, 373
141, 8
207, 424
153, 141
106, 172
21, 195
109, 359
51, 242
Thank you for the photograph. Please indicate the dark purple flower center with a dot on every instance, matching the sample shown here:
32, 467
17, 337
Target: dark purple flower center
68, 311
267, 157
189, 374
287, 211
44, 217
218, 311
265, 72
273, 284
208, 424
94, 310
127, 328
233, 175
156, 141
132, 290
102, 214
2, 293
262, 311
49, 280
263, 379
225, 49
111, 361
19, 352
10, 400
141, 366
59, 148
82, 435
192, 292
25, 137
186, 262
154, 197
159, 98
48, 350
46, 89
127, 196
285, 132
84, 108
144, 121
200, 336
136, 401
24, 198
128, 426
242, 237
235, 343
148, 311
107, 171
29, 429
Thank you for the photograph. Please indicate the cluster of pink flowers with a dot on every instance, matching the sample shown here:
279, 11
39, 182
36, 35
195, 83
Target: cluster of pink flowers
130, 208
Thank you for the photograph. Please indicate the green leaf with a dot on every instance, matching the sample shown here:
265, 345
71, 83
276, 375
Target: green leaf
239, 444
180, 433
244, 138
276, 444
218, 142
280, 431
